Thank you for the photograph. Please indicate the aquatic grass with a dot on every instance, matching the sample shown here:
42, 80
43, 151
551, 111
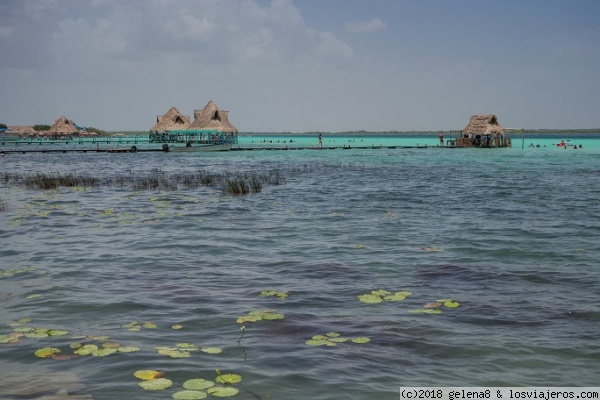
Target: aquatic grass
236, 183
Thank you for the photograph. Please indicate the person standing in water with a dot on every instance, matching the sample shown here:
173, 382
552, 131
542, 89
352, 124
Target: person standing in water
441, 138
320, 141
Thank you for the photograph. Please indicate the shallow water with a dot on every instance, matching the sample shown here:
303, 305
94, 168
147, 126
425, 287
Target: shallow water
511, 234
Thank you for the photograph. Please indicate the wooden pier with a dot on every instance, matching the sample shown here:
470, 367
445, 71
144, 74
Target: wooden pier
135, 149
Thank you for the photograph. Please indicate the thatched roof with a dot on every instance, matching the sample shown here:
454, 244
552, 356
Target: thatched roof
63, 126
22, 130
483, 125
210, 117
172, 120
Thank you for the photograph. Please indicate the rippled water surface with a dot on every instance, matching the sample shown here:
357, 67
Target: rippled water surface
511, 234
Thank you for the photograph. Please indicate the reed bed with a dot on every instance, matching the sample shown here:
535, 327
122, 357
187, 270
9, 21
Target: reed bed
238, 183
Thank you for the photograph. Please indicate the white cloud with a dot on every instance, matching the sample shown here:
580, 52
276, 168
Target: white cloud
188, 26
329, 45
366, 27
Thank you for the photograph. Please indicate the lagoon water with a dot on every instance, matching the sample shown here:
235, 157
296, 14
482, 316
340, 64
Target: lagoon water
510, 234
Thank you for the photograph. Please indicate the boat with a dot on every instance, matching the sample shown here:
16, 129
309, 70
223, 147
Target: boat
192, 140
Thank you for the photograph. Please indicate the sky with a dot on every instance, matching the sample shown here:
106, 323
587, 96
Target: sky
302, 65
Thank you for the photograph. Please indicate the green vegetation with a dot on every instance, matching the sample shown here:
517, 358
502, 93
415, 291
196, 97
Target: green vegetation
229, 183
41, 127
3, 126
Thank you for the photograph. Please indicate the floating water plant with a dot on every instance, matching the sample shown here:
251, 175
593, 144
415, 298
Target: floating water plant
378, 296
182, 350
268, 293
259, 315
156, 384
189, 395
434, 307
46, 352
198, 384
333, 339
136, 326
147, 374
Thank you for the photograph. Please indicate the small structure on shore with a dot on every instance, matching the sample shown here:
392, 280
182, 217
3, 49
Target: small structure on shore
208, 118
211, 130
62, 127
483, 131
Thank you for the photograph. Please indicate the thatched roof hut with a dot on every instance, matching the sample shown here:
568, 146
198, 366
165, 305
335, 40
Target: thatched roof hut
63, 126
172, 120
483, 125
22, 130
210, 117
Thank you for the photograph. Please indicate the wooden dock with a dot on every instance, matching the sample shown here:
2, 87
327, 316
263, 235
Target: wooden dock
135, 149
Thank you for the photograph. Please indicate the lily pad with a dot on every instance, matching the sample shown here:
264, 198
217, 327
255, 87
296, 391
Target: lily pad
128, 349
316, 342
147, 374
57, 332
86, 350
229, 378
451, 304
427, 311
361, 340
211, 350
176, 326
333, 334
222, 391
46, 352
198, 384
104, 352
370, 298
189, 395
156, 384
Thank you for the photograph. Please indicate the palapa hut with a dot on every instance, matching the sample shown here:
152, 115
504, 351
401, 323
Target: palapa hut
63, 127
210, 117
483, 131
22, 130
211, 129
172, 120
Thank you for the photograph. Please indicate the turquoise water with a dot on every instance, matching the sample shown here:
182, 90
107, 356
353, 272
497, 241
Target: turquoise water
510, 234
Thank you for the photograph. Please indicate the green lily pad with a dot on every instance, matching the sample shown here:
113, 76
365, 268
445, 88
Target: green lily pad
370, 298
176, 326
339, 339
175, 353
128, 349
46, 352
198, 384
189, 395
156, 384
394, 297
316, 342
34, 296
186, 346
333, 334
229, 378
427, 311
451, 304
149, 325
8, 339
86, 350
319, 337
361, 340
273, 316
104, 352
221, 391
57, 332
211, 350
147, 374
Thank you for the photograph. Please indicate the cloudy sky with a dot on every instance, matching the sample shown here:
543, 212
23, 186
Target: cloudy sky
302, 65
